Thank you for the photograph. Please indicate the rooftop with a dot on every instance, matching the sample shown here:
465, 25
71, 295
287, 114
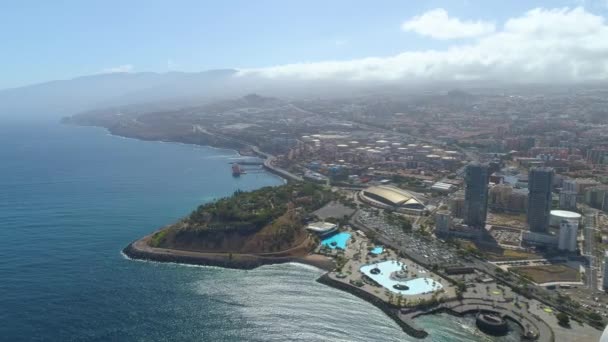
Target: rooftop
394, 195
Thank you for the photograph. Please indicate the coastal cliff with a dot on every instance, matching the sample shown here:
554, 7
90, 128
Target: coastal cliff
137, 251
245, 230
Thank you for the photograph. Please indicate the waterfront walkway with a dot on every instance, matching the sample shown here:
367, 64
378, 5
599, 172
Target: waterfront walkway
530, 323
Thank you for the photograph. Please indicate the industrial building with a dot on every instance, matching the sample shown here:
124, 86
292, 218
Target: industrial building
540, 182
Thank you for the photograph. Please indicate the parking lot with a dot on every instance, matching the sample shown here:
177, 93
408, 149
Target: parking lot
426, 249
509, 237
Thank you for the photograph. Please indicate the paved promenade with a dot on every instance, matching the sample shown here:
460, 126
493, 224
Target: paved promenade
530, 323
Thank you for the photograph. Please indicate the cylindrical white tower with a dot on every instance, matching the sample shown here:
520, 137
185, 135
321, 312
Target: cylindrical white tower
568, 233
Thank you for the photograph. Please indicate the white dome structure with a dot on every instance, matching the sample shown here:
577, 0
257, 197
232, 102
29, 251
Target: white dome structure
557, 216
604, 337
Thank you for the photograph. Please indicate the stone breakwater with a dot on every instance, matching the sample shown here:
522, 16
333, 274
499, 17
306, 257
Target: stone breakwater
390, 310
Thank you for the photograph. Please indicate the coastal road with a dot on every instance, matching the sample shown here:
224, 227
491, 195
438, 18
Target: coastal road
268, 158
589, 250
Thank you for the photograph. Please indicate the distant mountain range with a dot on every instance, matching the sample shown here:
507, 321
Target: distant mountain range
56, 99
65, 97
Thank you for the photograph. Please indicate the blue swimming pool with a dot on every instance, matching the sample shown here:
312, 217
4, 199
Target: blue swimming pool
377, 250
386, 268
337, 240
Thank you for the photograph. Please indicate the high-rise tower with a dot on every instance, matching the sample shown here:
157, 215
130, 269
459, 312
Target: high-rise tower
476, 195
540, 181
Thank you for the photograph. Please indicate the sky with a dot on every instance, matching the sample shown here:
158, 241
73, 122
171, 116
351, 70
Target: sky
350, 39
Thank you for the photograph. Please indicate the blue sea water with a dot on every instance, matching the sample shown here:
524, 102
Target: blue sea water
72, 197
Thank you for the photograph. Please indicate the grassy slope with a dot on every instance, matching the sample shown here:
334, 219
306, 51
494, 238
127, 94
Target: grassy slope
268, 220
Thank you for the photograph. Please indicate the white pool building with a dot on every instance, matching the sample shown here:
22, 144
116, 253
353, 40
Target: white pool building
389, 274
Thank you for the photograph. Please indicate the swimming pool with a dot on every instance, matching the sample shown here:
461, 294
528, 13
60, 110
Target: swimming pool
377, 250
416, 285
337, 240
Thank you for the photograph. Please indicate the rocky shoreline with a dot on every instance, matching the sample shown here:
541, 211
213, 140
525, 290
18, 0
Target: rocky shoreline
139, 250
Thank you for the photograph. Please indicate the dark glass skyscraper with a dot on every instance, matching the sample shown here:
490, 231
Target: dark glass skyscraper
476, 195
540, 182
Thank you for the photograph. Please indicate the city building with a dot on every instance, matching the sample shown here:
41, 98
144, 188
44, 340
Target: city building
568, 234
322, 228
567, 200
557, 216
578, 186
504, 197
540, 182
443, 220
605, 279
456, 205
594, 197
542, 239
442, 187
391, 197
476, 195
597, 156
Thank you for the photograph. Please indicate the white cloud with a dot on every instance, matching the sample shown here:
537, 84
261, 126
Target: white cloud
437, 24
541, 45
117, 69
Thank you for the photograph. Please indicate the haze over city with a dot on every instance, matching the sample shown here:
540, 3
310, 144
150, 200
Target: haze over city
304, 171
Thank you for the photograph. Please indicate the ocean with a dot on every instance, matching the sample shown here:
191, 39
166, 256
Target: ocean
72, 197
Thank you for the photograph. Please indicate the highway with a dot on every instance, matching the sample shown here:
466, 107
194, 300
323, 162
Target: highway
268, 158
589, 250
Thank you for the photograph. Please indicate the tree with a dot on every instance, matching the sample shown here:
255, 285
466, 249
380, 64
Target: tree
563, 319
406, 225
595, 317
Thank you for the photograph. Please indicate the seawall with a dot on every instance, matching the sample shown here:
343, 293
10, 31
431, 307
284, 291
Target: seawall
390, 310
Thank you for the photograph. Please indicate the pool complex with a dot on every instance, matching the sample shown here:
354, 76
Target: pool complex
337, 240
416, 285
377, 250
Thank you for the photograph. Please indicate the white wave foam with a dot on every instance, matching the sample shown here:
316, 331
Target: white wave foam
175, 263
306, 266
